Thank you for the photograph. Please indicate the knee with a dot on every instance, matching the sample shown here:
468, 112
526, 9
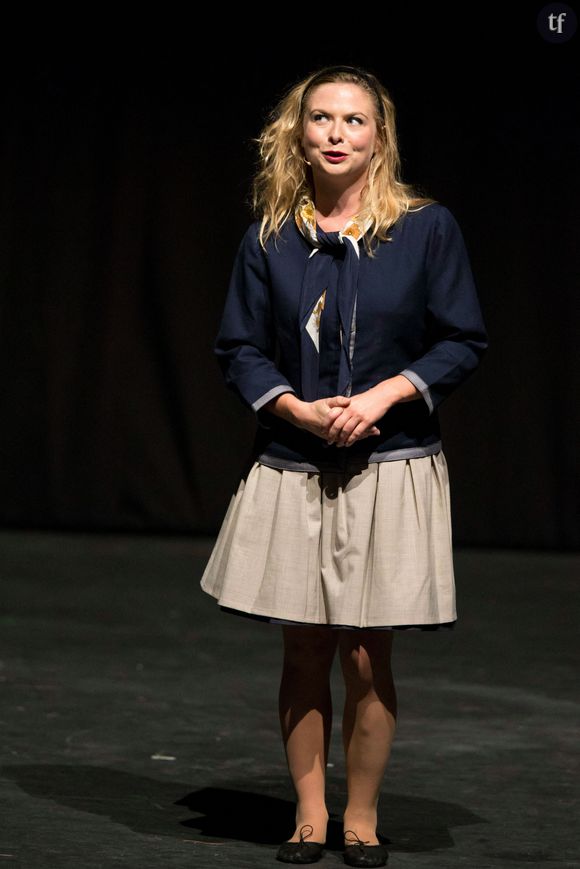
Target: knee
364, 672
357, 668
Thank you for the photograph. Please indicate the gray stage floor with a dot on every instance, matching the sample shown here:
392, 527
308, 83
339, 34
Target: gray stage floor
139, 723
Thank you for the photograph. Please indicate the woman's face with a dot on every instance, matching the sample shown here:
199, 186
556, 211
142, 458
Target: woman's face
339, 118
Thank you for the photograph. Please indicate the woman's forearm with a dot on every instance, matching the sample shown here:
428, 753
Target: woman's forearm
399, 388
287, 405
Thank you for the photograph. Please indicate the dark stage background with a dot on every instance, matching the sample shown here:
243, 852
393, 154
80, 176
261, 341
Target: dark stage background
125, 176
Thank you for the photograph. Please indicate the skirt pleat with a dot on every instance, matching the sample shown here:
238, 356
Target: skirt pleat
367, 548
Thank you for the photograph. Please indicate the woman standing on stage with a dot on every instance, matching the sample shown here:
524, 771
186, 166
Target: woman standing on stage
351, 315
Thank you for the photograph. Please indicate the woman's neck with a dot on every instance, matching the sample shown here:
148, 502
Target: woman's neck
334, 224
333, 210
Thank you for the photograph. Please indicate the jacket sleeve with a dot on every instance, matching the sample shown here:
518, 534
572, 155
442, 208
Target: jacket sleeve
245, 343
456, 331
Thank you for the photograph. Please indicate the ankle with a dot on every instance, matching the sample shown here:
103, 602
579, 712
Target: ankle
313, 823
362, 815
311, 810
363, 823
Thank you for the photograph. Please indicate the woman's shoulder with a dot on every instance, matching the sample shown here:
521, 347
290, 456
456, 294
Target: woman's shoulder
249, 242
429, 213
252, 232
423, 222
286, 240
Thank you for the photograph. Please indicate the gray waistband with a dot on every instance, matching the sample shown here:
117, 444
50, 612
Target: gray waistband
354, 462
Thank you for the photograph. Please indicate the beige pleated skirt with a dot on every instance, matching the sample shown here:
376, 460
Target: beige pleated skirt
348, 549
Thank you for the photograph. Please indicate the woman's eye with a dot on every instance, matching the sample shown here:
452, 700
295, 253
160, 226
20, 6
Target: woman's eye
321, 115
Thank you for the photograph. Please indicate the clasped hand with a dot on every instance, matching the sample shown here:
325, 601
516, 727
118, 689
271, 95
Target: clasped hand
342, 419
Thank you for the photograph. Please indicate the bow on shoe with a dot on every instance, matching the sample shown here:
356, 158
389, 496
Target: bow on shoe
302, 851
360, 853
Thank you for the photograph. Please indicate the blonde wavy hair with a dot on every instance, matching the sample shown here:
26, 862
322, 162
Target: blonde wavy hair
284, 181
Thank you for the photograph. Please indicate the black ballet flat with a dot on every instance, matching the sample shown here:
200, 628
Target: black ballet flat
361, 854
301, 852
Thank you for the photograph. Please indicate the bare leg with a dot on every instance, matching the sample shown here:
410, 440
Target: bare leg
305, 707
368, 727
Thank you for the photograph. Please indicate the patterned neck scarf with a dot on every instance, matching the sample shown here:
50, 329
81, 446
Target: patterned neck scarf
328, 303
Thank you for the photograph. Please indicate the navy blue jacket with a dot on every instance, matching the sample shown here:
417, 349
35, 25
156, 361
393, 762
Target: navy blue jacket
418, 314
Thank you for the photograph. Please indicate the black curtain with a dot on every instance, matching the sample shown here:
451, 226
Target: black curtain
124, 193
